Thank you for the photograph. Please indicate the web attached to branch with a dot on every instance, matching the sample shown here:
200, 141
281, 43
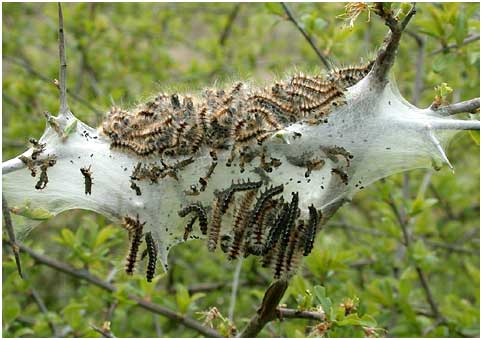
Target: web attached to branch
372, 136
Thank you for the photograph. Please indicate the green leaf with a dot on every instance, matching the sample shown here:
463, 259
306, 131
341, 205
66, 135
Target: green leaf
37, 214
103, 236
68, 237
71, 127
274, 8
73, 314
183, 299
461, 26
10, 308
323, 300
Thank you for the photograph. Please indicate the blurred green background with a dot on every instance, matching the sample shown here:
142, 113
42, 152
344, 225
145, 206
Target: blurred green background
123, 53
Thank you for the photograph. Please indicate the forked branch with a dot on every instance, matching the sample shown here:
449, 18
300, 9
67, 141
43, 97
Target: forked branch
11, 234
387, 53
267, 311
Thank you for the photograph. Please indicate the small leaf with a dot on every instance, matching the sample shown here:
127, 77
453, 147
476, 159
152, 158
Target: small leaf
71, 127
324, 301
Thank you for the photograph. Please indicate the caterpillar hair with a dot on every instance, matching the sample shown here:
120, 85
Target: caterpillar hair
239, 224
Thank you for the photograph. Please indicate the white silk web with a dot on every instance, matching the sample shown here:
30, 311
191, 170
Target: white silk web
379, 134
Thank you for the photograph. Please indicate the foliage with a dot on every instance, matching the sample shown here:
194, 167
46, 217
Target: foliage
121, 53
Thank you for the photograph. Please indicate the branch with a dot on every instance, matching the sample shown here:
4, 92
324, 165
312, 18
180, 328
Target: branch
229, 24
378, 76
86, 276
286, 313
64, 107
106, 333
466, 41
267, 310
452, 109
307, 37
11, 234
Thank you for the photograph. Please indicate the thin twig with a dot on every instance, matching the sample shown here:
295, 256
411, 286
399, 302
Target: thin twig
64, 107
267, 310
105, 333
468, 40
307, 37
452, 109
11, 234
229, 24
403, 221
152, 307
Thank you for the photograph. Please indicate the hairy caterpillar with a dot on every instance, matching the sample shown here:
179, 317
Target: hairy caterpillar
152, 257
135, 229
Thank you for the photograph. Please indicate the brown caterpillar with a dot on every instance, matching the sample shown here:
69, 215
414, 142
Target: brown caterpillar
188, 227
315, 164
87, 179
38, 148
152, 253
215, 226
255, 220
44, 179
293, 250
199, 210
351, 75
30, 165
134, 227
204, 180
240, 225
341, 174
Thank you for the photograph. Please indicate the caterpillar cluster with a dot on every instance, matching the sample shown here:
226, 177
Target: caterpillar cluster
239, 119
175, 125
262, 225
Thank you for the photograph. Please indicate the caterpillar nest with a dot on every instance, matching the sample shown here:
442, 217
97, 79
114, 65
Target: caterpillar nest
255, 172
